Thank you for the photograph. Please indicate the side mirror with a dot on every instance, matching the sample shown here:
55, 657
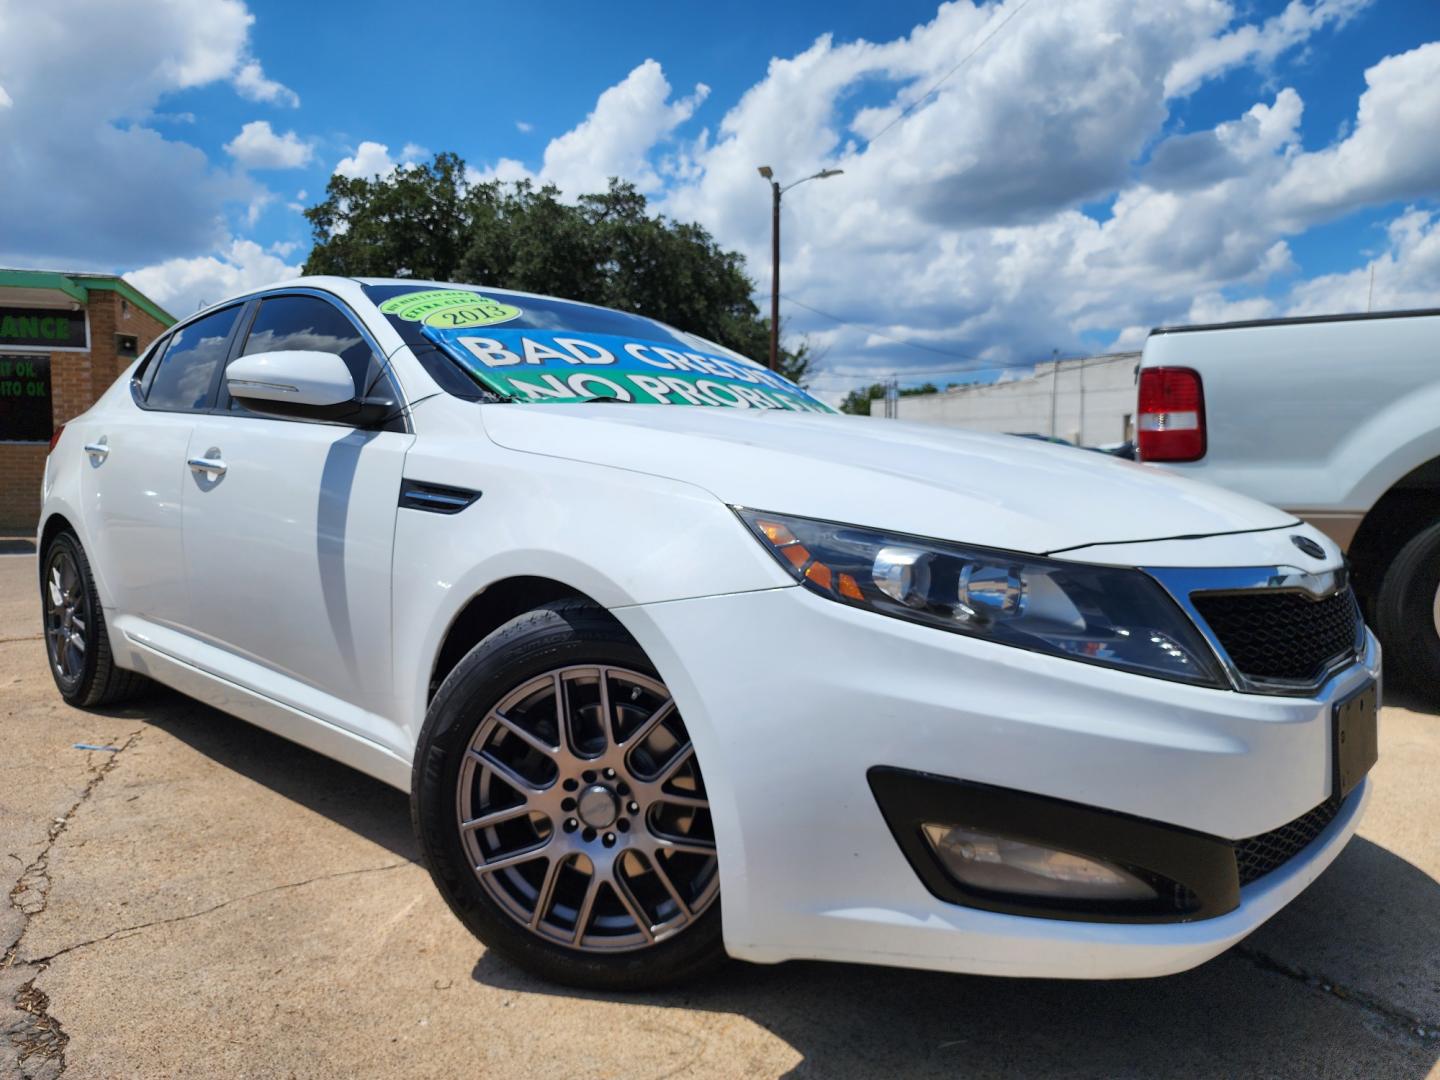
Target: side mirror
301, 383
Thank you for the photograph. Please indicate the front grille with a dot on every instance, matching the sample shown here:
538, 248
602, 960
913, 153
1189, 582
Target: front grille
1257, 856
1284, 636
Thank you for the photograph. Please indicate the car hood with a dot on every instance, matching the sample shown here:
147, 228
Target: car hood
993, 490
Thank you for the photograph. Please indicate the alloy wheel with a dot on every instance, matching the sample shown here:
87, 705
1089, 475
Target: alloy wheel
67, 616
583, 811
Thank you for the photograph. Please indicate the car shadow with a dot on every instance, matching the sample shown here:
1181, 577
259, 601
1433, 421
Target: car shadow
349, 798
1253, 1010
1402, 695
1327, 987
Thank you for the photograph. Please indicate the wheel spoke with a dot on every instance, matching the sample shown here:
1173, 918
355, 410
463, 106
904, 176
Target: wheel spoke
523, 735
562, 716
631, 905
489, 866
640, 734
77, 643
508, 773
70, 579
497, 817
57, 593
689, 802
587, 906
606, 719
657, 866
684, 754
684, 844
546, 896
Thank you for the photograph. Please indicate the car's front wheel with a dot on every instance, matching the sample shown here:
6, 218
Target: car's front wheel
561, 809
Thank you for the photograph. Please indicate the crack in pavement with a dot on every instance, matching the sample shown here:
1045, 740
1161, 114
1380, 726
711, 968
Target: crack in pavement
1415, 1026
39, 1034
40, 961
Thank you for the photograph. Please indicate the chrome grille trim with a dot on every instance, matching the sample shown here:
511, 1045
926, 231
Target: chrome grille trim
1182, 582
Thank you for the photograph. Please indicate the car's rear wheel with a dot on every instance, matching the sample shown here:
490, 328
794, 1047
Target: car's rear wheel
561, 808
76, 641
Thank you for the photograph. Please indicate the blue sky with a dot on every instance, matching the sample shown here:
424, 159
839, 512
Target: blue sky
1099, 166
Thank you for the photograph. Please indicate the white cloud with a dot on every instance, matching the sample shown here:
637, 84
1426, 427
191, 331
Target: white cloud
185, 285
616, 138
524, 127
369, 160
259, 147
98, 185
372, 159
1405, 275
250, 83
5, 101
1261, 45
1392, 153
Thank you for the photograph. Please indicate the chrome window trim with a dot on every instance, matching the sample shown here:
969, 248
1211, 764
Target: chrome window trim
1183, 582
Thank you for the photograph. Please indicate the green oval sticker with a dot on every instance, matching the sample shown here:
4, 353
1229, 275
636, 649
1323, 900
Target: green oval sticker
449, 308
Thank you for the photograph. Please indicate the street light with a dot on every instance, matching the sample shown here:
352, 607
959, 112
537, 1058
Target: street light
777, 191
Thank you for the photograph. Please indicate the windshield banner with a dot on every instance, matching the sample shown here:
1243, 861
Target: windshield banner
546, 365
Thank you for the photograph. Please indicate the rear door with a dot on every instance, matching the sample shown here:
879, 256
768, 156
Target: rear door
135, 471
289, 534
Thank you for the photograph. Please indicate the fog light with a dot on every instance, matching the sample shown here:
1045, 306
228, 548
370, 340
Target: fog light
999, 864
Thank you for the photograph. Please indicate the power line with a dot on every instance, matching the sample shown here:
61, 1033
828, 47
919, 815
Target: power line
963, 61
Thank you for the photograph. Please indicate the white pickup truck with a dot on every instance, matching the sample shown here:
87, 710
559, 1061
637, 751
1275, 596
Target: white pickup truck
1335, 419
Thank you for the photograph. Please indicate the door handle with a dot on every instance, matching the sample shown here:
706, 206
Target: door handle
207, 465
97, 449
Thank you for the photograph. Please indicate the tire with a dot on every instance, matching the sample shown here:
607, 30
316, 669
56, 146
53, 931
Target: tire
1407, 609
622, 892
77, 643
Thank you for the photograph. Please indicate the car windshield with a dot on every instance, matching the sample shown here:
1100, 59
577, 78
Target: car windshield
547, 351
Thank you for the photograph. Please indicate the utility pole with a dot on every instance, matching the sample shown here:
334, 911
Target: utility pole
1054, 386
776, 191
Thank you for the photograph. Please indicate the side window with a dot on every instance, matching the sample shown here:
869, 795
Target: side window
146, 371
186, 371
315, 325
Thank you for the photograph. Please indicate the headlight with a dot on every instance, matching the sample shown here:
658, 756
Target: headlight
1098, 614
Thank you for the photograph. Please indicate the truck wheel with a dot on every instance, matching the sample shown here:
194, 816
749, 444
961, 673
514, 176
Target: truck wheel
1407, 614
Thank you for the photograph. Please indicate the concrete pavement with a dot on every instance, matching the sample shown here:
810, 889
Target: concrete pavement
206, 899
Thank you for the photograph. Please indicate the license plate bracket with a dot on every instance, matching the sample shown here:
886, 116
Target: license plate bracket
1354, 738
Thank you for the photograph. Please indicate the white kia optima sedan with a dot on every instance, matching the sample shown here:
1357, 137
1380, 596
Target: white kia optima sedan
675, 663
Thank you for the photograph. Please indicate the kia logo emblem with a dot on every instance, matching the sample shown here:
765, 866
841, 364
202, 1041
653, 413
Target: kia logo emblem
1308, 546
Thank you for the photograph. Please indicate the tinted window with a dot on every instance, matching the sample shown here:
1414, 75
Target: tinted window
313, 325
187, 370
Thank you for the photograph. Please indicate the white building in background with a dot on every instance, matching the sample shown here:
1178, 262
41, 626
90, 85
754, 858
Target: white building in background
1089, 402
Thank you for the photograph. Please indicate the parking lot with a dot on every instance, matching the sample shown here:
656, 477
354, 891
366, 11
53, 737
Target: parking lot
199, 897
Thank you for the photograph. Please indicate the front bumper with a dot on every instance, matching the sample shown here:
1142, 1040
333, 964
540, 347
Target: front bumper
792, 699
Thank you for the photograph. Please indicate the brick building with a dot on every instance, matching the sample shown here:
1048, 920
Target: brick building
63, 340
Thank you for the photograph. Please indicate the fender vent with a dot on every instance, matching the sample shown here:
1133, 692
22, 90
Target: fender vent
435, 498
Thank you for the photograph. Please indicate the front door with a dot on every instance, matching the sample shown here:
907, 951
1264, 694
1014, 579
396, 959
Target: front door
289, 538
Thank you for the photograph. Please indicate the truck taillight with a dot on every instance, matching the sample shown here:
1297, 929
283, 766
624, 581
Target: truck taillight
1170, 419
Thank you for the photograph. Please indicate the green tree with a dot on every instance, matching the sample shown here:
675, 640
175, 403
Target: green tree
427, 221
857, 402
